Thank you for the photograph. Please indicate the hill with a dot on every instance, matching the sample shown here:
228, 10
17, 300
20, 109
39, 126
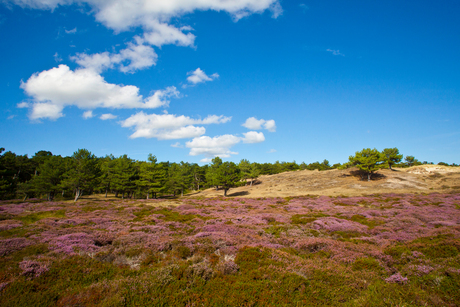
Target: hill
417, 179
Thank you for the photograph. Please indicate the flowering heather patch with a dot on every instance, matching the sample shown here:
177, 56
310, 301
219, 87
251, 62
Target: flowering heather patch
313, 250
32, 268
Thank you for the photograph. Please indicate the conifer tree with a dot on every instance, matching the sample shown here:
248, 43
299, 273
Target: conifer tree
228, 176
368, 160
392, 156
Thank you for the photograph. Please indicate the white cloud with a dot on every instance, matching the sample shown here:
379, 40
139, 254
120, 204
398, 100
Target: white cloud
23, 105
177, 145
11, 117
272, 151
54, 89
219, 146
88, 114
169, 126
206, 160
139, 56
253, 137
257, 124
199, 76
73, 31
335, 52
154, 16
270, 125
108, 116
57, 57
159, 34
213, 147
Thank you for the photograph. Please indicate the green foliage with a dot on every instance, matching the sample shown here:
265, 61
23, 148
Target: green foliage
392, 156
367, 264
368, 160
34, 217
306, 218
228, 176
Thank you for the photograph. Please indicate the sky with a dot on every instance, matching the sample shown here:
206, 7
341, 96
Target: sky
263, 80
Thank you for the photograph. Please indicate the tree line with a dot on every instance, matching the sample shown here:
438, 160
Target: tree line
51, 176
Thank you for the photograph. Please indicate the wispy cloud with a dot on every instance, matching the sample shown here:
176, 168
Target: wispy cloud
177, 145
272, 151
303, 6
107, 116
57, 57
335, 52
73, 31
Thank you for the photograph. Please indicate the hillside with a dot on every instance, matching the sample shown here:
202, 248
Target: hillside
417, 179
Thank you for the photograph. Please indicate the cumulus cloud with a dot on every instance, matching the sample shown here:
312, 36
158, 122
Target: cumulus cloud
199, 76
108, 116
169, 126
335, 52
88, 114
258, 124
253, 137
54, 89
154, 16
139, 56
213, 147
219, 146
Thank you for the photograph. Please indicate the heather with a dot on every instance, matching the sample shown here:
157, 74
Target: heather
376, 250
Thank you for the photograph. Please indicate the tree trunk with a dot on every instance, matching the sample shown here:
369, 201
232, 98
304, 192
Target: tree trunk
225, 192
123, 196
106, 191
49, 197
116, 193
77, 194
63, 193
25, 197
368, 176
181, 192
251, 181
148, 194
217, 187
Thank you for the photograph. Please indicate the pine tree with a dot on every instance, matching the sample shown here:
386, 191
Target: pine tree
228, 176
392, 156
368, 160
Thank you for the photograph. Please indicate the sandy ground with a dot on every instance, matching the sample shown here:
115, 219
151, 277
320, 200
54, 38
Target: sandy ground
417, 179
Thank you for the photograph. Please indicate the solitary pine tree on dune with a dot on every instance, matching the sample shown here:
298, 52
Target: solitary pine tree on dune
392, 156
367, 160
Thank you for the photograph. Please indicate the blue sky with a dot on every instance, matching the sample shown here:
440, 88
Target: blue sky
263, 80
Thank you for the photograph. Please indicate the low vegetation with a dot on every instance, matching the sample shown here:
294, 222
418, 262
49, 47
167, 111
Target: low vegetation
378, 250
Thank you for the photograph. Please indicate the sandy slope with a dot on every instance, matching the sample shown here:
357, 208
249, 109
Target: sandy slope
418, 179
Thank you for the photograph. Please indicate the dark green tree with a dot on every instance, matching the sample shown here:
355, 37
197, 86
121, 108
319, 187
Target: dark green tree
411, 161
107, 166
392, 156
124, 178
49, 178
212, 173
367, 160
152, 177
245, 168
83, 173
228, 176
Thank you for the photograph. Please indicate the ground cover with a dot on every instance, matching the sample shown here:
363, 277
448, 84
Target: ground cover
374, 250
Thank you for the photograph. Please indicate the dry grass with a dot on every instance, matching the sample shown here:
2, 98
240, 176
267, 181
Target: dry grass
417, 179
